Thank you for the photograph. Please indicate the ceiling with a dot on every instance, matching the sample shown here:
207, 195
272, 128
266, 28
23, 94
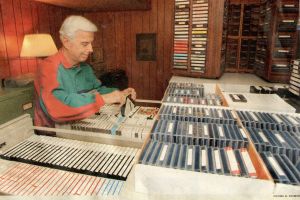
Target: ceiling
101, 5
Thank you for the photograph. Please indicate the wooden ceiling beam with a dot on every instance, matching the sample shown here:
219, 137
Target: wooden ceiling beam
101, 5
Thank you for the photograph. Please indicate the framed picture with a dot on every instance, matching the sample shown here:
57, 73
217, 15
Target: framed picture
146, 46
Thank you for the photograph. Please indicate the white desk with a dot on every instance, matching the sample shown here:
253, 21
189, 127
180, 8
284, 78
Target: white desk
260, 102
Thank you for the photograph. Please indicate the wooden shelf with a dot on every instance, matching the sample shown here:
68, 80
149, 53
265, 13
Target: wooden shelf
275, 58
210, 59
240, 47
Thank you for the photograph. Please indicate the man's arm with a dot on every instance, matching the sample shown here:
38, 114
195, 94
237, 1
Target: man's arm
111, 95
62, 105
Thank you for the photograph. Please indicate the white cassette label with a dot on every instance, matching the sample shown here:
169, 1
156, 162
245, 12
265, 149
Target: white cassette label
220, 113
250, 167
220, 129
217, 159
279, 137
277, 118
232, 161
174, 110
190, 156
205, 128
243, 133
206, 112
277, 168
233, 114
190, 129
203, 158
263, 137
253, 116
236, 97
292, 120
170, 127
163, 153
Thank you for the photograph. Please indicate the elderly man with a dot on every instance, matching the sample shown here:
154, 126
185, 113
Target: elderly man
66, 87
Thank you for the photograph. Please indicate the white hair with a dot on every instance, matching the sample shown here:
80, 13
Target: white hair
75, 23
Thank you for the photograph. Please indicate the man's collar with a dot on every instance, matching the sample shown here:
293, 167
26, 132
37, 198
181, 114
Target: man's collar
64, 60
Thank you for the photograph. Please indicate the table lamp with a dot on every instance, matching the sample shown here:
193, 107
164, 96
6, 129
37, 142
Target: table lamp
38, 45
34, 45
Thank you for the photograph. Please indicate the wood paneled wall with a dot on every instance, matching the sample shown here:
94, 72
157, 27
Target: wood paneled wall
117, 36
19, 17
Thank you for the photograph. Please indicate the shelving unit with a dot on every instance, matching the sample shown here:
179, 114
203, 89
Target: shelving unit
277, 42
198, 49
242, 35
224, 35
294, 86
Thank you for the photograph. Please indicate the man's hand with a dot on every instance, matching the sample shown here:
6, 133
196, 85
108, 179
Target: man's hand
119, 96
129, 91
114, 97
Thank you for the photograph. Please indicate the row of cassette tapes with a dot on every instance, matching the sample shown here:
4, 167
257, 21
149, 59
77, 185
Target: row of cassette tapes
72, 155
272, 121
223, 161
231, 53
247, 54
29, 180
294, 86
197, 114
278, 142
234, 14
287, 24
209, 134
250, 19
281, 168
135, 126
199, 35
189, 92
284, 49
289, 7
281, 67
262, 38
181, 34
208, 99
185, 85
101, 123
285, 40
262, 89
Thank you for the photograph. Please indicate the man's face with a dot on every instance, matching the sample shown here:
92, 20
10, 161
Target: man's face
80, 46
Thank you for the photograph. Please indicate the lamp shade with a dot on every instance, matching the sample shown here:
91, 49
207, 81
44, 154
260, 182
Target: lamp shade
38, 45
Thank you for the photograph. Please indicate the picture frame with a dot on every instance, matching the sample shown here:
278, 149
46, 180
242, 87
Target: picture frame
146, 46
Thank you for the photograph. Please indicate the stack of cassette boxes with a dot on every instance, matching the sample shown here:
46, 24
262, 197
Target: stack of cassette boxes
219, 140
135, 126
276, 137
294, 86
200, 138
190, 93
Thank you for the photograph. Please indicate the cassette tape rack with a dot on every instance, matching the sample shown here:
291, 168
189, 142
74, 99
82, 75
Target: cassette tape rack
294, 86
276, 137
242, 36
192, 30
199, 141
218, 144
277, 43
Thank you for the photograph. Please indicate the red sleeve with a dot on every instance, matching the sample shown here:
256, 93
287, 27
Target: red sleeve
56, 109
